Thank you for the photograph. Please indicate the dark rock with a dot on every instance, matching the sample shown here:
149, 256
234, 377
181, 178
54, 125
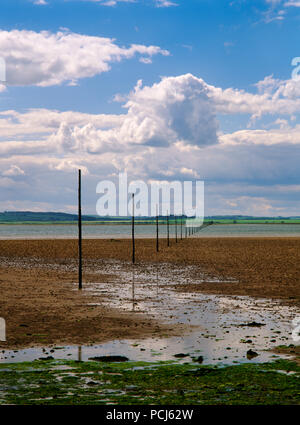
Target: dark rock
109, 359
46, 358
181, 355
198, 359
251, 354
201, 371
253, 324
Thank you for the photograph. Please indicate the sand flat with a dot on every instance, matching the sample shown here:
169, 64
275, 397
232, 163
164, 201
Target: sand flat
44, 300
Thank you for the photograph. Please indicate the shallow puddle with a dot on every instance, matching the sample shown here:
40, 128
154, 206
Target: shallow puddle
218, 331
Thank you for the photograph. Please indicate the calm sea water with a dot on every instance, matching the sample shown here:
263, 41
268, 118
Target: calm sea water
22, 231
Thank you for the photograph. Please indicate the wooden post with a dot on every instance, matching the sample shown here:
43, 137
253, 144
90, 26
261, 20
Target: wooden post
132, 229
176, 229
157, 246
168, 229
79, 233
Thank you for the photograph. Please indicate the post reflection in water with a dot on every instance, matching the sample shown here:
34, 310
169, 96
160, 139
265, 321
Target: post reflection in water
133, 290
154, 284
79, 353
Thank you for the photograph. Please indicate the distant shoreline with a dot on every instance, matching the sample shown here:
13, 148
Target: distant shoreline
144, 223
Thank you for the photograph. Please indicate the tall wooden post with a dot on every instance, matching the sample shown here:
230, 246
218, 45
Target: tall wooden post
168, 229
79, 233
132, 229
157, 242
176, 229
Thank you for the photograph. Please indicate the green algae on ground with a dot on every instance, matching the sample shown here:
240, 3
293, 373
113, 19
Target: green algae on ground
71, 382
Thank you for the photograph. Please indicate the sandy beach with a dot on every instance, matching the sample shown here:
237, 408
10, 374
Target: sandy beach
42, 306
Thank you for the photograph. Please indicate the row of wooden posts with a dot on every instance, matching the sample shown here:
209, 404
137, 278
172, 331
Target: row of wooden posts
189, 231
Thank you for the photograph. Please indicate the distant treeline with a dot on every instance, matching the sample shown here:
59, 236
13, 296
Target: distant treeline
248, 217
23, 216
48, 217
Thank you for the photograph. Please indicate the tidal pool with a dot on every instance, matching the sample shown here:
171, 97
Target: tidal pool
219, 329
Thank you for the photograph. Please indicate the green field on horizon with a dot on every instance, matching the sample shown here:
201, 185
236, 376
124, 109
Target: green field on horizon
153, 221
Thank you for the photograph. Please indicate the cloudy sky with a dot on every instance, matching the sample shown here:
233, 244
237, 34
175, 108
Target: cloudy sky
165, 90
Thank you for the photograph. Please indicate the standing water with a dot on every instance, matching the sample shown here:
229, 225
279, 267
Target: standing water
40, 231
217, 329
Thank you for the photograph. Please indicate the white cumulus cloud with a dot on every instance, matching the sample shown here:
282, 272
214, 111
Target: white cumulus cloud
168, 131
46, 59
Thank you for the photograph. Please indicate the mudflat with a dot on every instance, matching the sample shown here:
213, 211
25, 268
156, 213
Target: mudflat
260, 266
41, 305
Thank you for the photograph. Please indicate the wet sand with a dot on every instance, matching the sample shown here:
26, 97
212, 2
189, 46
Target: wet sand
262, 267
41, 307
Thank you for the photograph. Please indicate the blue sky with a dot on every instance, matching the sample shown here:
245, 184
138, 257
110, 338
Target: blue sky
227, 45
72, 98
